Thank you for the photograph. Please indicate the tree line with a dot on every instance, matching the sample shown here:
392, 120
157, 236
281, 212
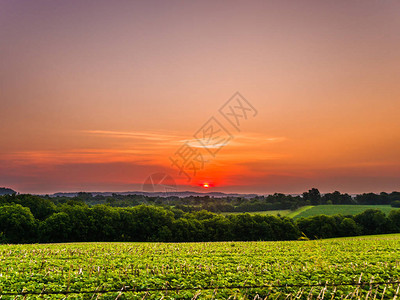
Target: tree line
32, 219
277, 201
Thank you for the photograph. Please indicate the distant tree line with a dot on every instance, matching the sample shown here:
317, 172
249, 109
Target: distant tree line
31, 219
276, 201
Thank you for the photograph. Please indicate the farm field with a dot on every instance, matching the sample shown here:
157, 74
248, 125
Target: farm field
310, 211
202, 270
298, 211
284, 212
340, 209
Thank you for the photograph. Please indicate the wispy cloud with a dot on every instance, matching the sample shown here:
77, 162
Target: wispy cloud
145, 135
257, 138
251, 140
75, 156
162, 136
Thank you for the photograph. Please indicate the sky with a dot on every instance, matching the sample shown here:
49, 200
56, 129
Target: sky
102, 95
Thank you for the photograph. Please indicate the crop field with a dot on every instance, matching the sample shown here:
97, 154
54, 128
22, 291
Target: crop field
330, 210
284, 212
351, 267
298, 211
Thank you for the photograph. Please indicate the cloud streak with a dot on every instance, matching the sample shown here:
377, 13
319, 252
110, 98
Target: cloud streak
144, 135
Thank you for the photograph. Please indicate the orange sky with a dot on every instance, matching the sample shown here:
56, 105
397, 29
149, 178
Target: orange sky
98, 96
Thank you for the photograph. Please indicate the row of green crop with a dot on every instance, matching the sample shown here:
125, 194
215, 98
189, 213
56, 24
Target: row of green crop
105, 266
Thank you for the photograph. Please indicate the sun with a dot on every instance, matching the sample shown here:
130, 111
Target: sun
206, 184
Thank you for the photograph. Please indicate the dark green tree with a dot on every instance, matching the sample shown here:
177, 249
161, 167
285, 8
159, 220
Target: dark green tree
394, 218
56, 228
348, 227
313, 195
17, 224
373, 221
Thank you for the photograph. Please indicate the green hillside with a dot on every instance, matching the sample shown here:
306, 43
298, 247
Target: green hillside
339, 209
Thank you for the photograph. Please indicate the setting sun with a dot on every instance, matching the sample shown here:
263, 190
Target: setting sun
206, 185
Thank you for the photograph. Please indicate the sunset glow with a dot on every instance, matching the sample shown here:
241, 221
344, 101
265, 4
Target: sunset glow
97, 96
